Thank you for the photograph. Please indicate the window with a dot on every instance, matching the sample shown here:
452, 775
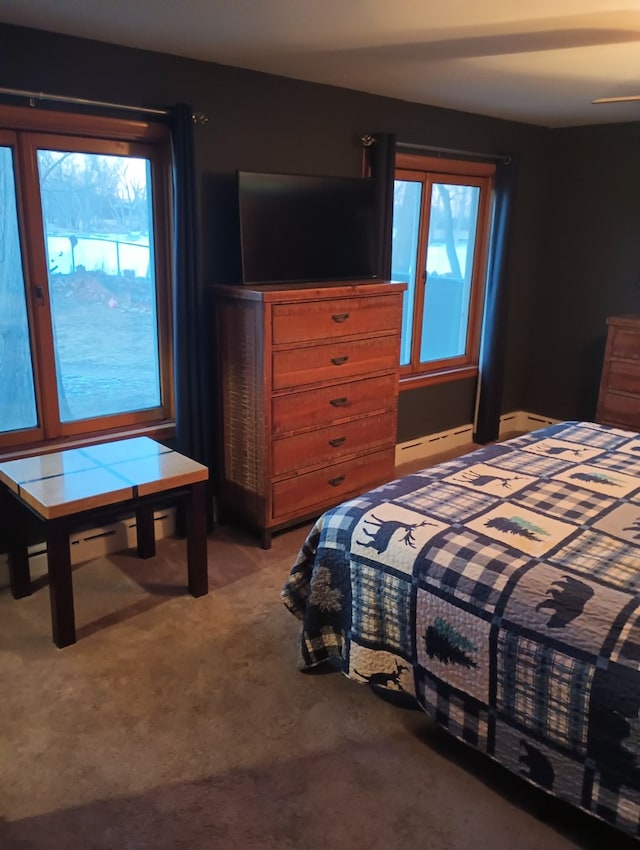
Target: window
85, 342
441, 215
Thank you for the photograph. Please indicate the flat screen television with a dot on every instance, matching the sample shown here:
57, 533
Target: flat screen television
300, 228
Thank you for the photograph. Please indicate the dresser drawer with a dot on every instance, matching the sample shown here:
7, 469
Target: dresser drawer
324, 406
335, 318
334, 361
624, 376
621, 410
328, 445
332, 484
625, 342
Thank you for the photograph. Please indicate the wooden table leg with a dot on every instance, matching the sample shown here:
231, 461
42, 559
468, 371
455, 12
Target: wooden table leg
17, 554
196, 526
63, 623
145, 532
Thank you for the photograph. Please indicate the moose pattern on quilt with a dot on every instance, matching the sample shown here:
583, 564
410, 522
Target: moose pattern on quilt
500, 590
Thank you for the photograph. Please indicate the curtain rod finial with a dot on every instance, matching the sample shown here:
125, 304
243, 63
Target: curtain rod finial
368, 140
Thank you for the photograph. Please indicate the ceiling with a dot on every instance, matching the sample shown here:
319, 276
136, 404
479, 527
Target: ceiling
537, 61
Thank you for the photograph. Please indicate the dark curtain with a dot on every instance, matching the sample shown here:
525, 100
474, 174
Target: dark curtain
494, 327
189, 314
382, 164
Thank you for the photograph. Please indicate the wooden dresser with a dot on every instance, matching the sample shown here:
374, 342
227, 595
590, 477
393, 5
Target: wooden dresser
309, 396
619, 397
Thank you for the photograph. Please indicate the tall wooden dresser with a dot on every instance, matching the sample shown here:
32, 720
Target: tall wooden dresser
619, 397
309, 396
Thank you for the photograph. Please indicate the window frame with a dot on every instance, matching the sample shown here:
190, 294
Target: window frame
26, 131
430, 170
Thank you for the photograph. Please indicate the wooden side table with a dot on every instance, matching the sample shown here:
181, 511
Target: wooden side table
66, 489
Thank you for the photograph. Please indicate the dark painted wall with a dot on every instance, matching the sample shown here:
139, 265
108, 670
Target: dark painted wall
262, 122
448, 405
591, 265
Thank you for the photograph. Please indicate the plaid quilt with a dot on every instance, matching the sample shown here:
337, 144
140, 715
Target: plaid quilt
501, 591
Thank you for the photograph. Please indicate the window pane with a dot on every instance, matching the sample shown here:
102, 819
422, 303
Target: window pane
407, 198
97, 212
451, 245
17, 396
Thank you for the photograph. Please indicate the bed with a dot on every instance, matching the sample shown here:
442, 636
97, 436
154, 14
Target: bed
499, 591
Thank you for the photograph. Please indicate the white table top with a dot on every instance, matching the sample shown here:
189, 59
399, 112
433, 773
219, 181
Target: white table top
74, 480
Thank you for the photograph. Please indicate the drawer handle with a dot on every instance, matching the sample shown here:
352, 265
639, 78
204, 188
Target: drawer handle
337, 441
338, 480
340, 317
339, 402
338, 361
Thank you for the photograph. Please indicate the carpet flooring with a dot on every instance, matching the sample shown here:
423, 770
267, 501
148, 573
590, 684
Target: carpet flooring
185, 724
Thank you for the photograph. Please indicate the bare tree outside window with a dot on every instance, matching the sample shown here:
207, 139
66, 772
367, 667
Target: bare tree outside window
85, 281
97, 214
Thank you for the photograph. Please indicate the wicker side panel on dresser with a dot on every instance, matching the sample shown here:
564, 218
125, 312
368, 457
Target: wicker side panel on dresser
241, 350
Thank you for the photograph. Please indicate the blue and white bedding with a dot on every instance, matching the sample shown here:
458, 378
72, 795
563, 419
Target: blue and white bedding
501, 591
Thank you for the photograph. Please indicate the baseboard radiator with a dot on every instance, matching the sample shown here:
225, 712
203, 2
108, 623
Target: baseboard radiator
96, 542
444, 441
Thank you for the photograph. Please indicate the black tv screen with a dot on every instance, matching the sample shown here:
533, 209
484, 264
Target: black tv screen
298, 228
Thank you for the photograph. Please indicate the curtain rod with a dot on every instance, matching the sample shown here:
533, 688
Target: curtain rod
198, 117
369, 140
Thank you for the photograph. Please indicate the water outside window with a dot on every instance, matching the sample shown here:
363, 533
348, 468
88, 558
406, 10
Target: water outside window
97, 215
17, 395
